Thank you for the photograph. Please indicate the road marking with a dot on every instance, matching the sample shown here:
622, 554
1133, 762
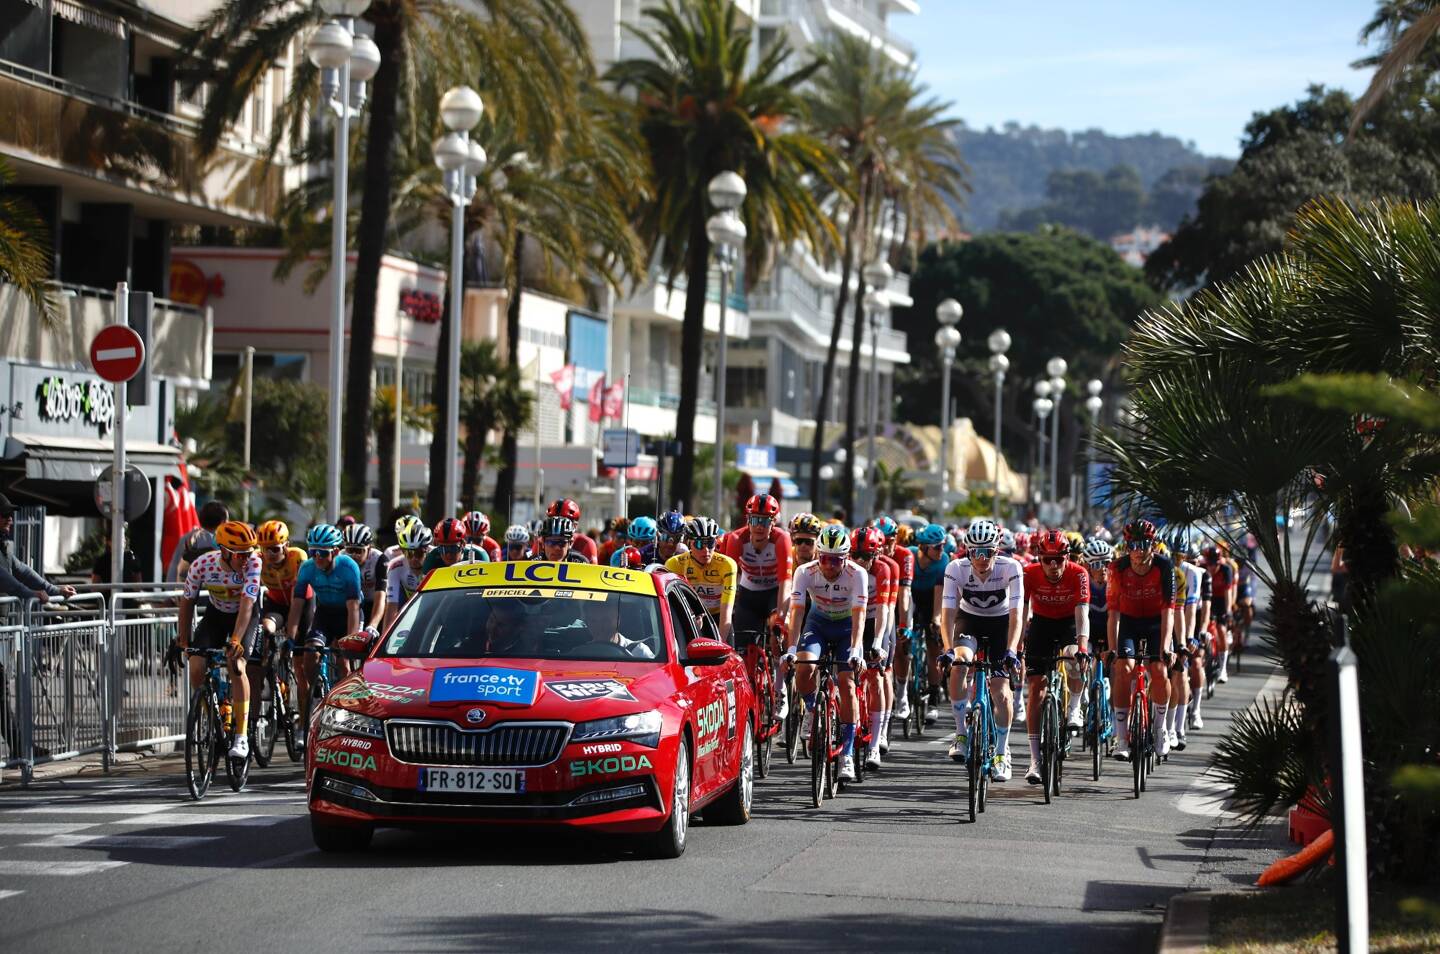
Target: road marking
10, 894
182, 819
106, 842
101, 808
37, 829
66, 869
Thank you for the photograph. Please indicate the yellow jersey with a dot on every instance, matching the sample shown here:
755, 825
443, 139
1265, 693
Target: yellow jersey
714, 581
279, 580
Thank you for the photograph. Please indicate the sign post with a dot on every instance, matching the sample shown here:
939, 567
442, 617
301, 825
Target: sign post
117, 355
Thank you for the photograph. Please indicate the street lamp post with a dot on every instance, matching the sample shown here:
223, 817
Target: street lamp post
726, 232
877, 300
947, 339
1056, 368
1042, 407
460, 160
346, 61
1093, 404
999, 343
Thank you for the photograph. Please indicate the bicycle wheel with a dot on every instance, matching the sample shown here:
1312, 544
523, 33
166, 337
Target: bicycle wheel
1094, 729
767, 709
793, 721
973, 760
201, 735
985, 738
1137, 745
264, 726
832, 742
819, 753
1048, 744
285, 712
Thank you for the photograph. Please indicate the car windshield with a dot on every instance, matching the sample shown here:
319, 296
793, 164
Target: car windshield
480, 622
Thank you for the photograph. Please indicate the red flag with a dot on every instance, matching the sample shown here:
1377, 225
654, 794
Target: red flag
597, 396
564, 381
615, 400
180, 515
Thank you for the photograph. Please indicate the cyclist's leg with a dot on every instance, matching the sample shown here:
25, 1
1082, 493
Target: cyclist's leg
809, 646
1037, 665
1197, 681
1159, 669
961, 684
210, 633
1121, 675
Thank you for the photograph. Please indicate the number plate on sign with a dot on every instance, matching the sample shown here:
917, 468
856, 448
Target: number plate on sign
478, 781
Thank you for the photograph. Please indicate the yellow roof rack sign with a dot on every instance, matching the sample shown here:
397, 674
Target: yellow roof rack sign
545, 575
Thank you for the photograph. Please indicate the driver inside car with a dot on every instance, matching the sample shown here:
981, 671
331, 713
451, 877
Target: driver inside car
506, 632
600, 620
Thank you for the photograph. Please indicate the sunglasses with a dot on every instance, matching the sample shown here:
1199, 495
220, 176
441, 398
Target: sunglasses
982, 553
359, 551
704, 543
275, 551
862, 557
416, 554
449, 549
556, 541
1052, 560
932, 546
804, 542
245, 552
831, 560
761, 521
322, 552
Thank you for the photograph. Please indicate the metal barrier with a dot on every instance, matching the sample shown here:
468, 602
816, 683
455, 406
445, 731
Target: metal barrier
148, 700
62, 680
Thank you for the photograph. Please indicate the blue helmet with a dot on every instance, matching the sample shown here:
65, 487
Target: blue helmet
930, 536
887, 526
324, 536
672, 523
643, 529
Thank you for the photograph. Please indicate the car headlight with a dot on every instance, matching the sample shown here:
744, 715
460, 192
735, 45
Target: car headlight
642, 728
336, 721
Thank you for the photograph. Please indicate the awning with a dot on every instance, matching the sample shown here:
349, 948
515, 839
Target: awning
47, 457
93, 19
764, 476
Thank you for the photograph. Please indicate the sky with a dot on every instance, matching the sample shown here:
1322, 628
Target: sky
1195, 69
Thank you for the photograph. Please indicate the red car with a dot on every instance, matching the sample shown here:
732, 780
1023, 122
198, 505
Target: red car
537, 693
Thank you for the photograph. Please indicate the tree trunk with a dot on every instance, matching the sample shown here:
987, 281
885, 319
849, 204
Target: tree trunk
509, 443
852, 406
386, 450
474, 457
832, 353
436, 506
370, 248
692, 335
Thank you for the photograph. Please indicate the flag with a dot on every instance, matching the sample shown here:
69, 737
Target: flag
615, 400
180, 516
597, 397
564, 381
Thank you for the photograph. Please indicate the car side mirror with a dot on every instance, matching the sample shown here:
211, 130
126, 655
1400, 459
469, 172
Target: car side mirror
356, 645
707, 652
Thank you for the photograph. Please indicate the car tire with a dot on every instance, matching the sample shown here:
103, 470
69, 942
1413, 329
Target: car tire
734, 806
670, 840
340, 838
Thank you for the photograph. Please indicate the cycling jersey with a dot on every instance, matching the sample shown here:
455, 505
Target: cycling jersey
491, 548
1222, 578
1193, 575
762, 568
333, 589
1057, 600
469, 553
994, 596
586, 547
372, 572
831, 599
401, 582
226, 588
926, 578
279, 581
714, 581
882, 583
1142, 596
904, 559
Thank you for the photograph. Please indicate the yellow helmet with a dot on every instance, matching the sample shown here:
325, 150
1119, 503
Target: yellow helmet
235, 536
273, 533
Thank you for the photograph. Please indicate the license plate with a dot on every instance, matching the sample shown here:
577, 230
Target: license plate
486, 781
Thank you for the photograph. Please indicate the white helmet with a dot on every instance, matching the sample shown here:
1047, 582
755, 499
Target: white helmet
1097, 550
982, 533
517, 533
833, 541
1007, 541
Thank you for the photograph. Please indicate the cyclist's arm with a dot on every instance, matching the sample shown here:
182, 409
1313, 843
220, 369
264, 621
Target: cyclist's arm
1016, 589
1082, 625
185, 621
948, 592
352, 616
297, 607
857, 628
727, 602
784, 568
242, 624
1112, 629
1188, 622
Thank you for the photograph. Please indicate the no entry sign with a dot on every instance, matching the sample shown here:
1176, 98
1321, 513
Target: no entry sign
117, 353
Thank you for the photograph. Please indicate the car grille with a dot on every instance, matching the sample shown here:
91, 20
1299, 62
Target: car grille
513, 744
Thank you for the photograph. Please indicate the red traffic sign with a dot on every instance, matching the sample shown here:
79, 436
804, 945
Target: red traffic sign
117, 353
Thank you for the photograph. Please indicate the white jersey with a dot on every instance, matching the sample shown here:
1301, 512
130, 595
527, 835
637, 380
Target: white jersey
226, 588
996, 595
401, 582
833, 599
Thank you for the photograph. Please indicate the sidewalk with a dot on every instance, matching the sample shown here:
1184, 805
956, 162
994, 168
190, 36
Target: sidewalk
122, 765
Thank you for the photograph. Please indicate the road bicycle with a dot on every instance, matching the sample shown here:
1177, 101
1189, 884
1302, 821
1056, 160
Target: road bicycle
210, 729
981, 733
1054, 734
1099, 732
917, 687
826, 743
320, 686
272, 713
1142, 735
1211, 646
794, 719
762, 682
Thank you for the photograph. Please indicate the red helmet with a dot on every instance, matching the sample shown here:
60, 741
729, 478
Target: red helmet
762, 505
628, 557
1050, 543
564, 507
450, 532
1139, 532
477, 525
1023, 541
867, 540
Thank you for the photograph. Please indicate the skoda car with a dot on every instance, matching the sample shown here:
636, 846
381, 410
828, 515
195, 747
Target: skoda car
537, 693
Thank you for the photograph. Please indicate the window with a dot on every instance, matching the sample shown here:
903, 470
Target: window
227, 366
704, 622
681, 618
589, 342
260, 109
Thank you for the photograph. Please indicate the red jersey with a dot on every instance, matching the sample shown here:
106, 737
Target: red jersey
882, 581
586, 547
761, 568
893, 596
492, 549
1057, 600
1222, 578
1146, 596
904, 559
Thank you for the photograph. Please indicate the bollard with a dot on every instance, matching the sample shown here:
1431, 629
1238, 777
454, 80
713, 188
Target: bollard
1352, 926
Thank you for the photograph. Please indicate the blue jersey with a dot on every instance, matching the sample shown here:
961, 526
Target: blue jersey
334, 589
927, 577
1097, 594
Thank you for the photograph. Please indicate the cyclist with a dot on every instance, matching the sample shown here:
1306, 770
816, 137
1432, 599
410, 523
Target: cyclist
904, 611
477, 526
402, 523
1141, 590
981, 605
930, 563
453, 546
557, 536
230, 575
518, 541
761, 551
1222, 594
1097, 556
804, 528
333, 580
280, 565
615, 537
642, 535
579, 542
1057, 611
406, 570
710, 574
1199, 635
865, 546
1191, 586
1244, 595
671, 539
836, 591
359, 540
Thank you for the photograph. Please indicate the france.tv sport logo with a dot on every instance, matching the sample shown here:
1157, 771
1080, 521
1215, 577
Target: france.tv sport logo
484, 684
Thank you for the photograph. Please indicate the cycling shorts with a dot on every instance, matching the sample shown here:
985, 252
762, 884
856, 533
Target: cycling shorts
984, 634
885, 643
1139, 638
822, 633
922, 609
214, 629
330, 624
1044, 640
753, 609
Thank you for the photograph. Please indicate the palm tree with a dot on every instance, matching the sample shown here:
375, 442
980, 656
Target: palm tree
25, 253
491, 397
382, 421
700, 111
893, 144
1409, 30
523, 51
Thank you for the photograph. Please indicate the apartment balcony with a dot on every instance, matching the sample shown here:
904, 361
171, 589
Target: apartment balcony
814, 18
788, 297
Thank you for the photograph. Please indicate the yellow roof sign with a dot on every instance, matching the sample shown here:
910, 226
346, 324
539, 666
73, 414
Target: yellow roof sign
546, 575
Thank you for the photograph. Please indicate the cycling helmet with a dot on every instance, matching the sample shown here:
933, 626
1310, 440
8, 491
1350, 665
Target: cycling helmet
1051, 543
887, 526
628, 557
932, 535
415, 536
273, 533
702, 528
866, 540
477, 525
982, 533
833, 541
1161, 549
358, 535
1024, 540
557, 527
672, 523
1191, 550
762, 505
1007, 541
323, 536
234, 535
517, 533
1139, 532
806, 523
1097, 550
450, 532
564, 507
642, 530
904, 535
409, 520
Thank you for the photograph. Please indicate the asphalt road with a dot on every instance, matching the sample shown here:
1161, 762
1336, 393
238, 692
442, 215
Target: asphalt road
129, 862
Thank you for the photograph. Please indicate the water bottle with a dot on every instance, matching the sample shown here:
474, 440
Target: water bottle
224, 692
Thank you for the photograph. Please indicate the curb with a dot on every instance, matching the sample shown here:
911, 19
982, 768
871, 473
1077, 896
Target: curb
1187, 924
90, 766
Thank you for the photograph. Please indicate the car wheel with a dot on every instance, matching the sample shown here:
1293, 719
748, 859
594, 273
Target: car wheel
734, 806
340, 838
669, 841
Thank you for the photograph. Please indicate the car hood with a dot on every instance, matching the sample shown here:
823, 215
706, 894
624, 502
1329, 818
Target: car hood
505, 688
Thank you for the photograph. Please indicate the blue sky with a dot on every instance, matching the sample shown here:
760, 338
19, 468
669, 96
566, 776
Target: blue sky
1196, 70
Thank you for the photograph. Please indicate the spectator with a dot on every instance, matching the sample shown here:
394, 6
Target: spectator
197, 541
